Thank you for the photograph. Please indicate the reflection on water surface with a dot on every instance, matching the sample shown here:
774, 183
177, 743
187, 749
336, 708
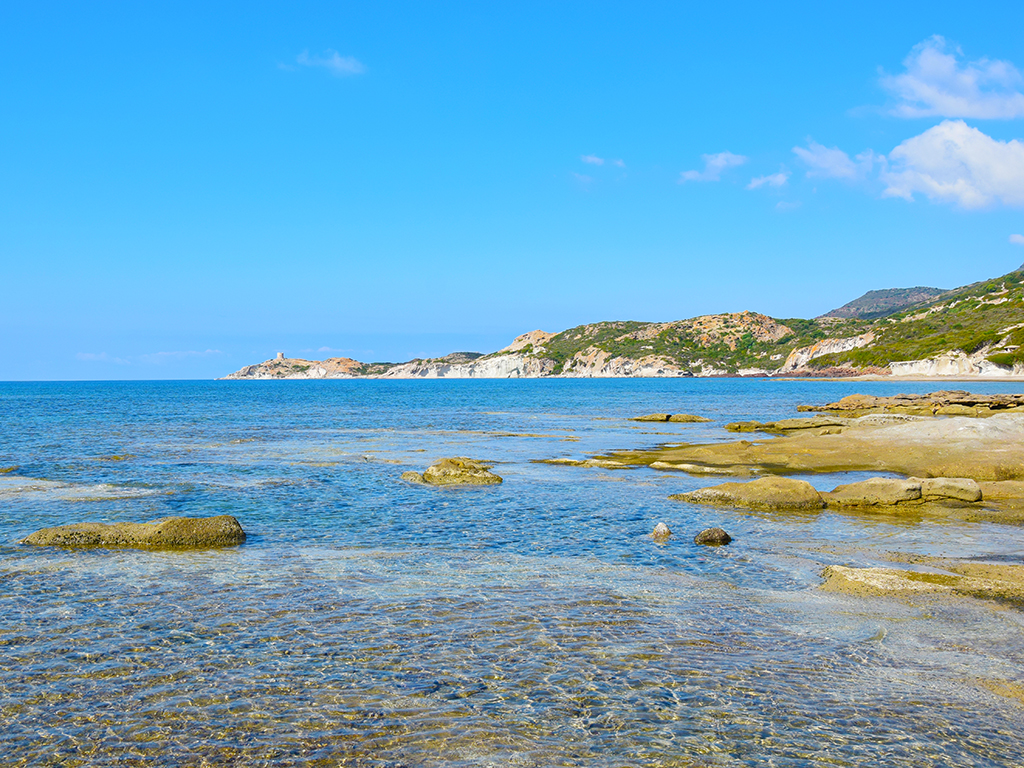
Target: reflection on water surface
370, 622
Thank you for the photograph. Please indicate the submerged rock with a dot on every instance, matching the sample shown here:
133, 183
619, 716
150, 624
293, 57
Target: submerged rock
764, 493
715, 537
968, 579
601, 463
166, 533
457, 470
661, 532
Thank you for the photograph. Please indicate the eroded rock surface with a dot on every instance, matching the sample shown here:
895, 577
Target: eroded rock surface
953, 402
166, 533
677, 418
945, 577
764, 493
457, 470
981, 449
876, 492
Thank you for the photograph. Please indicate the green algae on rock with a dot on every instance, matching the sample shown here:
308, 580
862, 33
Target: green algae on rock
166, 533
457, 470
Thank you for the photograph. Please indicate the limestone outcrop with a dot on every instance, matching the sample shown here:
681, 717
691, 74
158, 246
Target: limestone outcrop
950, 402
457, 470
784, 493
981, 449
768, 493
944, 578
676, 418
799, 357
166, 533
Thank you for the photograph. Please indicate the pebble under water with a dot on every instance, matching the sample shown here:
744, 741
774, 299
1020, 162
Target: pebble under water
371, 622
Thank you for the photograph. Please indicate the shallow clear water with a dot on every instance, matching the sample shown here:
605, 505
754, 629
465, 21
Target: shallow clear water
367, 621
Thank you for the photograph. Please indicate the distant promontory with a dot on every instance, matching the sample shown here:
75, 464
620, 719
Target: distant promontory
975, 330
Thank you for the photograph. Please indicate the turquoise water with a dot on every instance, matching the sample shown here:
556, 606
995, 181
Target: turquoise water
371, 622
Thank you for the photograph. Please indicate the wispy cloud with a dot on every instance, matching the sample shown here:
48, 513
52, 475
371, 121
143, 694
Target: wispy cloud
937, 83
714, 166
955, 163
834, 163
619, 163
1017, 239
333, 62
100, 357
592, 159
772, 180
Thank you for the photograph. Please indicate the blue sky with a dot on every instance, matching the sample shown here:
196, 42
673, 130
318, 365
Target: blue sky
191, 187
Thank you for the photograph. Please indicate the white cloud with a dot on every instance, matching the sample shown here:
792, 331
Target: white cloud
1017, 239
772, 180
834, 163
592, 159
333, 62
955, 163
714, 165
582, 178
619, 163
937, 84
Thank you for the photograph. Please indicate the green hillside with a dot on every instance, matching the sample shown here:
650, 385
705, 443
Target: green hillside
726, 342
987, 314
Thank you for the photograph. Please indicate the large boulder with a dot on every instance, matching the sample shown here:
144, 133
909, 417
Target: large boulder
457, 470
876, 492
166, 533
764, 493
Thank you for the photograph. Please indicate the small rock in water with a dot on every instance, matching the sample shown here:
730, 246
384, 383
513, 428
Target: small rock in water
661, 531
713, 536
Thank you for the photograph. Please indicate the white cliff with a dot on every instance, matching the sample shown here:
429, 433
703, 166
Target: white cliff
799, 357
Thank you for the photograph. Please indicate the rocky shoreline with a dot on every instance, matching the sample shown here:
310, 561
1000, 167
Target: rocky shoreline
961, 457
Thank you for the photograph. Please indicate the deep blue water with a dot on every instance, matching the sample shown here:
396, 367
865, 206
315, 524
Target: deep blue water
367, 621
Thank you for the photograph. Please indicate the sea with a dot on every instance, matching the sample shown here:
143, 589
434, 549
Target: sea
368, 621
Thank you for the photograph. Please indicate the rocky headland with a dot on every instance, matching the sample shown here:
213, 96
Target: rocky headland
973, 331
